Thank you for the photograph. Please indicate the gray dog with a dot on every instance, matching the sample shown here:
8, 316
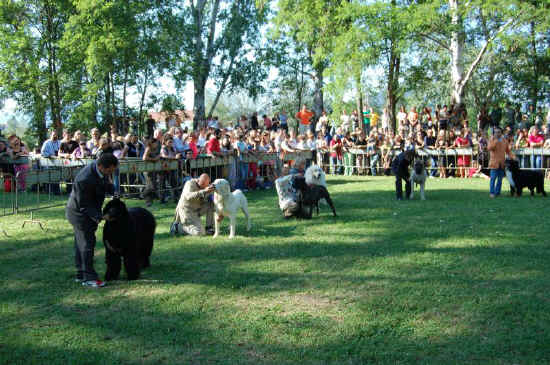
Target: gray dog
418, 177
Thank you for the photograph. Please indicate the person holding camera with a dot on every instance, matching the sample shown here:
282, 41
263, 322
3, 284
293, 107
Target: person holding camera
498, 148
195, 201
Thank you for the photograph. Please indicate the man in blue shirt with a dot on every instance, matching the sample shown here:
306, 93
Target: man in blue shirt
50, 147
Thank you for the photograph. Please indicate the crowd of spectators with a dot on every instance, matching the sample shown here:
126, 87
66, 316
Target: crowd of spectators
354, 143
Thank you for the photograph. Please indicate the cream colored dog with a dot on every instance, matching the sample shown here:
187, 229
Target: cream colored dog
227, 203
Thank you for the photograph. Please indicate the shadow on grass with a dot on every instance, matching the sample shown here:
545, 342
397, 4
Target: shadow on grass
413, 290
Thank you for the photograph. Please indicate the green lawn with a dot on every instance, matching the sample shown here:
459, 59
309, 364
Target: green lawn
456, 279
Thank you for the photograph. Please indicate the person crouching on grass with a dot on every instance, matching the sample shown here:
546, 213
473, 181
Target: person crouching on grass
499, 147
400, 168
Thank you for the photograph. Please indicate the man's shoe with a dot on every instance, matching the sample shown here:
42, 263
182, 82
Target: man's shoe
78, 280
209, 231
491, 195
93, 283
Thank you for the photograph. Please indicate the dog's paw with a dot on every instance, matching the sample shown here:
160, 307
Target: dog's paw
215, 235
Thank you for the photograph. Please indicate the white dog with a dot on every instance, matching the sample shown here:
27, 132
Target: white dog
315, 176
418, 177
227, 204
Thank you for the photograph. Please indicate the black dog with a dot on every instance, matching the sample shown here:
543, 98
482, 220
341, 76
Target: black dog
128, 234
310, 196
520, 179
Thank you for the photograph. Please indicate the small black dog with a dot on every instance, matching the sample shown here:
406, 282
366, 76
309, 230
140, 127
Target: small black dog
128, 234
310, 196
520, 179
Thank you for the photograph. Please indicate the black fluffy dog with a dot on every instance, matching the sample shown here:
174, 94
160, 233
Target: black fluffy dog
520, 179
309, 197
128, 234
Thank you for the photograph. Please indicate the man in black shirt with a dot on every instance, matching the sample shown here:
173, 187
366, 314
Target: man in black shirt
400, 168
68, 145
429, 143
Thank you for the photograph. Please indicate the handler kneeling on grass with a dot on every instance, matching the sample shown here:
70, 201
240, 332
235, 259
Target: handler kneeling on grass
195, 201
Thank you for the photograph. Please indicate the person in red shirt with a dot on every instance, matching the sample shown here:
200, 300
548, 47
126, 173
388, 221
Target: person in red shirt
304, 118
336, 154
213, 148
536, 140
192, 142
267, 122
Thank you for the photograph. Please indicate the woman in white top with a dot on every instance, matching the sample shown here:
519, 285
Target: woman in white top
323, 121
401, 116
345, 119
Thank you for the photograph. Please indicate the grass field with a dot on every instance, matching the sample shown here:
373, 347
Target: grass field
456, 279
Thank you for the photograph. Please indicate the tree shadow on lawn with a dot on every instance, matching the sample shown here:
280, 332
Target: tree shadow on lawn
486, 300
497, 326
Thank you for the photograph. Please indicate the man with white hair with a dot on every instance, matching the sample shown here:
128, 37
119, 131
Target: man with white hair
195, 201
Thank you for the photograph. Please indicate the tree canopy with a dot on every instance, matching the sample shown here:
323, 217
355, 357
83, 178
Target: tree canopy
78, 63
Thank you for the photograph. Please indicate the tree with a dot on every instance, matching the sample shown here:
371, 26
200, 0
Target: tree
216, 40
32, 61
454, 25
308, 23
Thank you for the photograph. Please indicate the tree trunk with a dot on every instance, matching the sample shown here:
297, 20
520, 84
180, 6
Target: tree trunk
113, 101
535, 80
318, 102
199, 109
108, 116
360, 104
222, 88
457, 54
393, 84
124, 120
40, 118
142, 100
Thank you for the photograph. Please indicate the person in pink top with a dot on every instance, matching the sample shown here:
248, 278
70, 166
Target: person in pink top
536, 140
463, 161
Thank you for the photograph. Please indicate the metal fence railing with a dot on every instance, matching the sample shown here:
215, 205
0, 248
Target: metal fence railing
48, 181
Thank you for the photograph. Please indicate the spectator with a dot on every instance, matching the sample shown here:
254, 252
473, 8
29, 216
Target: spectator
21, 166
93, 143
81, 151
536, 140
241, 148
50, 147
168, 152
179, 144
463, 161
336, 155
304, 117
441, 145
67, 146
284, 120
254, 121
151, 154
429, 143
498, 148
401, 117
